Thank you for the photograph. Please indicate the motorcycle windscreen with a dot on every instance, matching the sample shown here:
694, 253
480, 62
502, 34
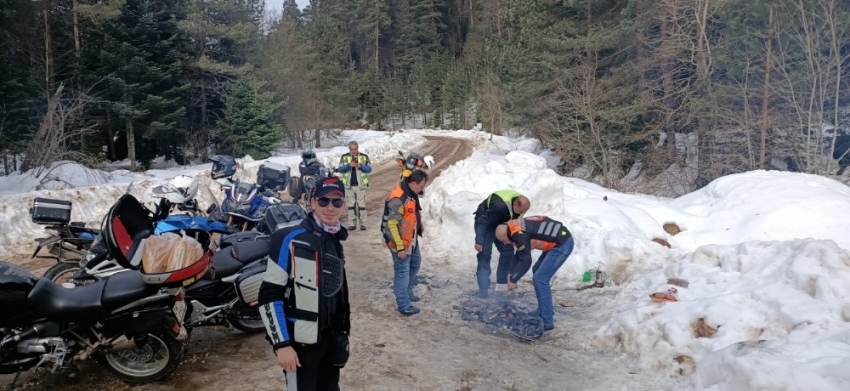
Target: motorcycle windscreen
126, 224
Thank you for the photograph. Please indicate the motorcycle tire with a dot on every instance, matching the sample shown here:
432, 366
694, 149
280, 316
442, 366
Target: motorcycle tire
62, 269
174, 351
246, 320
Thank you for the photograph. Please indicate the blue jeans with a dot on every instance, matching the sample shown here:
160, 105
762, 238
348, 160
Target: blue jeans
404, 276
545, 270
506, 255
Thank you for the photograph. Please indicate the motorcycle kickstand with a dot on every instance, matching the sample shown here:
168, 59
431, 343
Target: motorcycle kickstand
13, 385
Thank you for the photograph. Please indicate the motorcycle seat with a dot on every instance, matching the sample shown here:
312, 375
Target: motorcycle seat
248, 252
224, 265
87, 302
59, 304
124, 288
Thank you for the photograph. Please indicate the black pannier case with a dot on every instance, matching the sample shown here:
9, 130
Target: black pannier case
49, 211
273, 177
283, 215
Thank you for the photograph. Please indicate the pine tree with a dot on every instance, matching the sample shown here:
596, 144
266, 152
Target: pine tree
248, 126
143, 63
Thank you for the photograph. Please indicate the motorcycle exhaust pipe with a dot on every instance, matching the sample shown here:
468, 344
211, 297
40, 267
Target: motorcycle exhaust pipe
121, 344
31, 332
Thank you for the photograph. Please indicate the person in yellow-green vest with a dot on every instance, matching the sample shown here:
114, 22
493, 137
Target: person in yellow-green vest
499, 208
355, 168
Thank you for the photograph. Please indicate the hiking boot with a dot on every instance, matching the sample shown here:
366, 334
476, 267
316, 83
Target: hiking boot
482, 293
362, 227
547, 327
352, 227
414, 298
409, 311
501, 287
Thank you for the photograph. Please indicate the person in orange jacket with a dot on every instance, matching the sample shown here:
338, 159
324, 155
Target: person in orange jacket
539, 233
402, 224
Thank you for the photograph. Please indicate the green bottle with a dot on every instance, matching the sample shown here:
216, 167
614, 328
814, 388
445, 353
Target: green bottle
587, 276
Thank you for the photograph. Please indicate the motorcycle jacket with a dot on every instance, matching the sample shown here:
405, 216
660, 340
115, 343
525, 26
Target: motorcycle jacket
304, 291
402, 221
496, 209
533, 232
355, 176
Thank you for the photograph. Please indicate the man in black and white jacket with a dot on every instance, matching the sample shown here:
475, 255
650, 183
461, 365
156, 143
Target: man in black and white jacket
304, 294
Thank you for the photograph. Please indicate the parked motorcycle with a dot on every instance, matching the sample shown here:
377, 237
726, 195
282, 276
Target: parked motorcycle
132, 327
227, 294
69, 239
312, 171
132, 321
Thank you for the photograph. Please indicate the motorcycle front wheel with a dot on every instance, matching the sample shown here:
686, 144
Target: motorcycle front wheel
155, 357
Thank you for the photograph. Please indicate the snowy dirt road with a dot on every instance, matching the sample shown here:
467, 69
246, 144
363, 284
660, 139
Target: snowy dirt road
434, 350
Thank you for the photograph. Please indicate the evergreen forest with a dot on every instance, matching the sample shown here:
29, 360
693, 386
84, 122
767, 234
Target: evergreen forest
610, 85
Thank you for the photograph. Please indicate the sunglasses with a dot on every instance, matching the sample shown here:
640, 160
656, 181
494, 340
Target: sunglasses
324, 201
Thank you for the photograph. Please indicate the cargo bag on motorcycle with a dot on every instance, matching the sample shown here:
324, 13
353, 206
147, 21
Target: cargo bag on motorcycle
171, 259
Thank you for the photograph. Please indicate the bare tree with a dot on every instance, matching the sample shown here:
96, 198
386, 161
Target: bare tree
810, 63
64, 122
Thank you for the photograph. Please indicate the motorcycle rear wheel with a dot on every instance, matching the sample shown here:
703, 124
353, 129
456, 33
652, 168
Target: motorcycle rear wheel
124, 364
246, 320
62, 272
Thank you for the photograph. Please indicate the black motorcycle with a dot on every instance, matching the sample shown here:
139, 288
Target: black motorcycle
131, 326
225, 295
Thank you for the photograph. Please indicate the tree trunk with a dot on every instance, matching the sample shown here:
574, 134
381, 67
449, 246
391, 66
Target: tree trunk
667, 79
377, 48
470, 14
204, 128
76, 17
131, 136
131, 144
768, 64
111, 141
50, 67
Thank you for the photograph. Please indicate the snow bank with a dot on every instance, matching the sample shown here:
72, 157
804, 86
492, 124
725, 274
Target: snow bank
765, 205
60, 175
92, 198
794, 294
764, 252
613, 231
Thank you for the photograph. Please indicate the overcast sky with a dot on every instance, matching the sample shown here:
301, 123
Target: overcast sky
278, 4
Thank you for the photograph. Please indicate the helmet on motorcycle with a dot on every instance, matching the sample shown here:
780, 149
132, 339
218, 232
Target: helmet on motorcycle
187, 185
153, 200
223, 166
308, 157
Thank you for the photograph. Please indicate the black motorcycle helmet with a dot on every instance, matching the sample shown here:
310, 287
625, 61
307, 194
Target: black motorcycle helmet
308, 157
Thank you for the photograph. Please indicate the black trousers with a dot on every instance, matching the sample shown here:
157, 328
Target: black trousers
316, 373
